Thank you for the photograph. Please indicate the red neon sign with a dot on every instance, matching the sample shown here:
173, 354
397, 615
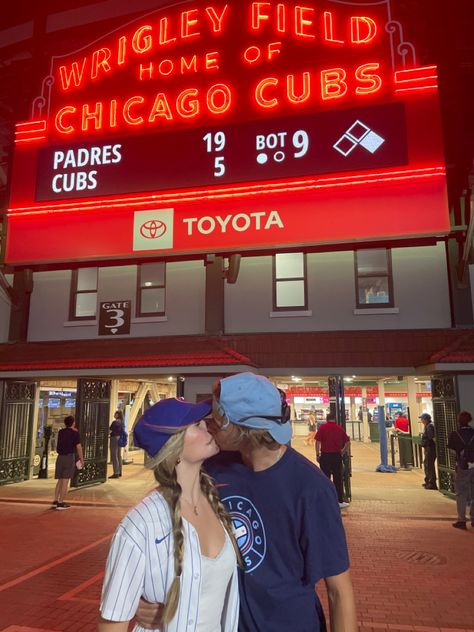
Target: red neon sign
219, 104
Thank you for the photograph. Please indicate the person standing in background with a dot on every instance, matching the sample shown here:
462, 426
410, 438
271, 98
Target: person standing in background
331, 441
69, 445
462, 442
116, 428
312, 427
401, 423
429, 446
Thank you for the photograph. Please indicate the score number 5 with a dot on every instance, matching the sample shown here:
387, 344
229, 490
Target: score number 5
215, 143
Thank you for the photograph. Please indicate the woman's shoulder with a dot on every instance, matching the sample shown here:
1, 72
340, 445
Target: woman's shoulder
152, 511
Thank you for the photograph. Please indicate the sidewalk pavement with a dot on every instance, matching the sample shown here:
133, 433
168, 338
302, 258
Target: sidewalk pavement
411, 570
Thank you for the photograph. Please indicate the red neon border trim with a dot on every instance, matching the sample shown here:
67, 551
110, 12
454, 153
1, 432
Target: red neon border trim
250, 190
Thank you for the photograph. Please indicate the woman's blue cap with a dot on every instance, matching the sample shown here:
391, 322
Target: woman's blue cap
164, 419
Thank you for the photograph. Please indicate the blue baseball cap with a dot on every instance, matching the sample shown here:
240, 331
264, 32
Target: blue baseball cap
253, 401
164, 419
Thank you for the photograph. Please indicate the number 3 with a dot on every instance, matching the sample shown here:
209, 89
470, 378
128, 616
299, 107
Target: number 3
119, 321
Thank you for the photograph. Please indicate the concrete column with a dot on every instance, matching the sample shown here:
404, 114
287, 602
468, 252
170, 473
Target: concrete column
214, 306
381, 387
20, 310
413, 406
114, 391
365, 417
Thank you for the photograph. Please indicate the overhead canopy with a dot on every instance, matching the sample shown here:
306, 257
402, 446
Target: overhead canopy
407, 351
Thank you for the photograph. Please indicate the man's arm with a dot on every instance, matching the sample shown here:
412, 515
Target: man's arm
318, 450
342, 611
148, 615
80, 453
112, 626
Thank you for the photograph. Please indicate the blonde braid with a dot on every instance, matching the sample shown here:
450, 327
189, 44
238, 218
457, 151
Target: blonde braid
165, 474
209, 490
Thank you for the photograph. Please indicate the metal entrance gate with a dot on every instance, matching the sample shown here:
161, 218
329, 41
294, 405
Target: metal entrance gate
445, 410
92, 421
16, 426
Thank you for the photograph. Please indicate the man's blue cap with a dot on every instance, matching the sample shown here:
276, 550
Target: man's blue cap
164, 419
253, 401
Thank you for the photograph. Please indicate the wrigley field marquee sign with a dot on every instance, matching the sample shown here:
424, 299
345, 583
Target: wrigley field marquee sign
230, 126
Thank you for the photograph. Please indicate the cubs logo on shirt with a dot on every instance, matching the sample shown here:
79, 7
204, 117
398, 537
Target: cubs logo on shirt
249, 531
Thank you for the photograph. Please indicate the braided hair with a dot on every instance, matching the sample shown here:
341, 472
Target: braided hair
164, 469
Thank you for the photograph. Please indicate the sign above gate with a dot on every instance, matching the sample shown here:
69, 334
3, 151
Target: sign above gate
231, 108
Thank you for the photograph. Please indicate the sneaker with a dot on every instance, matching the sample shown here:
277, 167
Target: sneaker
459, 525
61, 506
343, 505
55, 504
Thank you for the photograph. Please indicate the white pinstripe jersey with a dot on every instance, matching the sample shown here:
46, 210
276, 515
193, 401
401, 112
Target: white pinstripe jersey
141, 564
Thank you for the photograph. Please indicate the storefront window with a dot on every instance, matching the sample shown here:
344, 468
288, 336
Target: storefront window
83, 303
289, 281
373, 277
151, 289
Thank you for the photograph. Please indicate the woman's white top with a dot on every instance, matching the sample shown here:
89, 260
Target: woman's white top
216, 580
141, 564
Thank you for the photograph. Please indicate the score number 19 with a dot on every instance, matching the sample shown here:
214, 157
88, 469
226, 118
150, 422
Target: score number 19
215, 143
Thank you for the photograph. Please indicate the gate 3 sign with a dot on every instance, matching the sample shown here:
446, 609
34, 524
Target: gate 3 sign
316, 115
114, 318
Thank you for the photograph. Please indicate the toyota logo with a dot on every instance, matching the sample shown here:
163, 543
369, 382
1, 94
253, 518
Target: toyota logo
153, 229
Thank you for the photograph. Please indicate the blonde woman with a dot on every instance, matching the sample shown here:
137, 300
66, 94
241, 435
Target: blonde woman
175, 547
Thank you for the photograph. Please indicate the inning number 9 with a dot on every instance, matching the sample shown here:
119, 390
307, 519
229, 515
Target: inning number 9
300, 142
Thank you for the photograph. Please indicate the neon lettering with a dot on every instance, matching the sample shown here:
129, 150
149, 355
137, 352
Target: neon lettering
58, 119
259, 96
92, 115
187, 24
373, 82
187, 104
370, 28
145, 70
217, 19
100, 59
127, 116
188, 65
216, 92
122, 49
160, 108
333, 84
252, 54
142, 41
212, 61
305, 91
257, 15
75, 75
164, 37
329, 28
281, 18
302, 22
164, 65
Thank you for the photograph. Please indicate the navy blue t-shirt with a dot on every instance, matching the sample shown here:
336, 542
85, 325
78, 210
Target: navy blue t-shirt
289, 530
68, 438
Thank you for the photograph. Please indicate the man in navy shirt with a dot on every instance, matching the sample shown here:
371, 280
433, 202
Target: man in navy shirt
68, 448
285, 513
